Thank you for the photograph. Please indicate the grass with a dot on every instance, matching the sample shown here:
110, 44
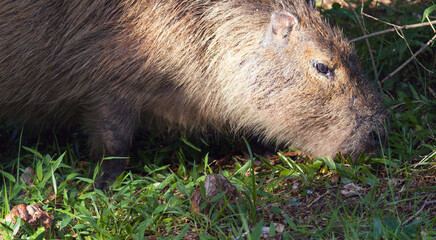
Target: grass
283, 196
297, 194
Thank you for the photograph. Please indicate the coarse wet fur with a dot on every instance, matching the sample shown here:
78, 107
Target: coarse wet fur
272, 69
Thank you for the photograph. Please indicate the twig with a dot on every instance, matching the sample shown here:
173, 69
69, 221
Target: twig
400, 33
394, 29
431, 25
316, 200
374, 18
419, 211
400, 104
410, 59
366, 40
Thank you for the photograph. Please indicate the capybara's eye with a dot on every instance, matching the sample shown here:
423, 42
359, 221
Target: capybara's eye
322, 68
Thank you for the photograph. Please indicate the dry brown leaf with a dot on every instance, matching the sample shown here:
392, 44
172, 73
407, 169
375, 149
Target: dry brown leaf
28, 175
31, 214
213, 185
350, 189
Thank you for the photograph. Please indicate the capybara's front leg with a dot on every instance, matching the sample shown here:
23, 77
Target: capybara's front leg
112, 123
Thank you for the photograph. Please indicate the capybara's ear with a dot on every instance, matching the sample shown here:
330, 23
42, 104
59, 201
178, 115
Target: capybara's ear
281, 25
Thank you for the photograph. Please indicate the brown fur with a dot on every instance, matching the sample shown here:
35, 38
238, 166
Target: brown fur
243, 65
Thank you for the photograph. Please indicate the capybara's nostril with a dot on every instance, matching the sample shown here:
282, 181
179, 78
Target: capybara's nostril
377, 137
374, 138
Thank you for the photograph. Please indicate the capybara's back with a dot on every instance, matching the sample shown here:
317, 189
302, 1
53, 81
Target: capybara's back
272, 69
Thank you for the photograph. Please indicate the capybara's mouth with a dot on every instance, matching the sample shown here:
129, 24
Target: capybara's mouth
370, 142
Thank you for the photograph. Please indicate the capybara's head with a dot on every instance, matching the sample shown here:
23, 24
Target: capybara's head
313, 94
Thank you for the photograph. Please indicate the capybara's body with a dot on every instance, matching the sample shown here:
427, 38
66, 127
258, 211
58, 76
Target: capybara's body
272, 69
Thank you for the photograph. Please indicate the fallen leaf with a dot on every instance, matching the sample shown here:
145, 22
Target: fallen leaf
350, 189
28, 175
31, 214
213, 185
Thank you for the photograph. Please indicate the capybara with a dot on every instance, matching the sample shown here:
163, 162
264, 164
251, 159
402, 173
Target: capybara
272, 69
